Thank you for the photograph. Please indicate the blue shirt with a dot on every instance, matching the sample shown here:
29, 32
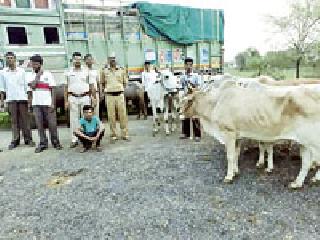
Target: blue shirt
90, 127
193, 78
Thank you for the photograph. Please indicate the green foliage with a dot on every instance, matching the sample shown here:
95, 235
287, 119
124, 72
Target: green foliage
4, 120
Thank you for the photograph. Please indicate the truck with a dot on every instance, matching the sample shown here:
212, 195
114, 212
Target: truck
55, 29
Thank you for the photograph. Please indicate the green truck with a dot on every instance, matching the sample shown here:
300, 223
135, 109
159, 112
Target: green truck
163, 34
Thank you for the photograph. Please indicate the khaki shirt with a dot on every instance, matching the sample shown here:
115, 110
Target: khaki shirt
113, 80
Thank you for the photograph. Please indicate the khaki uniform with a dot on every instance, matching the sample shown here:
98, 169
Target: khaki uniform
78, 96
115, 81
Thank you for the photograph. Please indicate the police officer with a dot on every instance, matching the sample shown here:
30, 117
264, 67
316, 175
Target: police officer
189, 81
113, 81
79, 91
94, 74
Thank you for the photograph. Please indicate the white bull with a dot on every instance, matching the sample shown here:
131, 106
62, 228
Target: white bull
164, 95
155, 94
264, 147
170, 101
234, 112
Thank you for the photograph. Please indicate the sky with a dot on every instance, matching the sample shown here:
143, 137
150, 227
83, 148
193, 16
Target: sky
245, 21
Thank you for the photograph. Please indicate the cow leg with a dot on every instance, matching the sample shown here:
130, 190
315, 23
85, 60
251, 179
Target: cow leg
262, 149
166, 116
269, 169
231, 155
154, 119
306, 163
236, 162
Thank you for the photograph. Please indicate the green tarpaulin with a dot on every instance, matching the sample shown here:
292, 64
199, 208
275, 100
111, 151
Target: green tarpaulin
182, 25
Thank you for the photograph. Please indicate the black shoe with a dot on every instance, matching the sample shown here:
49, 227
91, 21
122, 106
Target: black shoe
58, 146
126, 138
40, 149
30, 143
183, 137
12, 146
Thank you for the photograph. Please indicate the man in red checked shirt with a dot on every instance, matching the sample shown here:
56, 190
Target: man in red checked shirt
43, 98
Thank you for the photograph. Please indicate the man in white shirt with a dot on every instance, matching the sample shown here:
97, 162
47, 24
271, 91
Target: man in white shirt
94, 75
79, 91
14, 85
43, 98
190, 80
148, 77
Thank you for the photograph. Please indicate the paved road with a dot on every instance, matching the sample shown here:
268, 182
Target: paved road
150, 188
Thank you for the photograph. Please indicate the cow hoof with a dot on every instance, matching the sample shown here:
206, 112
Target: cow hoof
260, 165
153, 134
294, 185
268, 170
237, 174
227, 180
167, 133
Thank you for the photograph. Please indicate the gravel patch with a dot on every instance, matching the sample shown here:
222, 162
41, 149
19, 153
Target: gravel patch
150, 188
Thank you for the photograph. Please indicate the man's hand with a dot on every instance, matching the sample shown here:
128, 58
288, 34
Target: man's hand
101, 96
29, 106
66, 105
92, 139
94, 101
52, 107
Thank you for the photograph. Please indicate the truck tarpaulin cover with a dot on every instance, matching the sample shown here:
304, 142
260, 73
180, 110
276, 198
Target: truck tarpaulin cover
182, 25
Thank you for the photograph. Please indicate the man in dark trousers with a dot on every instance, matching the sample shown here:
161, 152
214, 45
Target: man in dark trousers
189, 81
14, 85
43, 103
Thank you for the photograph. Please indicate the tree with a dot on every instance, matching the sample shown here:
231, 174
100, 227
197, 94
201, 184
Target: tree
240, 60
256, 63
244, 59
300, 28
280, 59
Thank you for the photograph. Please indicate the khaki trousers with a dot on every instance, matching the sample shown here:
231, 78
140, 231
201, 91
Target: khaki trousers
116, 103
76, 112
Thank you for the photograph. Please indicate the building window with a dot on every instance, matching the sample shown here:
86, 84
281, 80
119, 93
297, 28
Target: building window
5, 3
41, 3
51, 35
17, 35
23, 4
